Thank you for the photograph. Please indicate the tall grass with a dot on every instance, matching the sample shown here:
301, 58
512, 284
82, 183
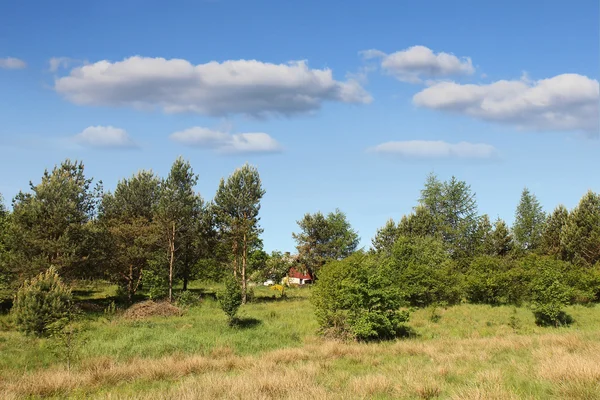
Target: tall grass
466, 352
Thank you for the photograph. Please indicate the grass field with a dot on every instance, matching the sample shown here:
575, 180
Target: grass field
470, 352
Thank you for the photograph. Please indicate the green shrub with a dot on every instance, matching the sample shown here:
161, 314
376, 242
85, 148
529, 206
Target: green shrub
356, 298
230, 298
548, 298
42, 305
188, 299
424, 272
493, 280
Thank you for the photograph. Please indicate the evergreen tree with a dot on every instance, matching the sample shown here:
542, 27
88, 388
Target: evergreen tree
529, 222
581, 233
236, 205
385, 238
551, 238
502, 240
51, 225
178, 210
128, 216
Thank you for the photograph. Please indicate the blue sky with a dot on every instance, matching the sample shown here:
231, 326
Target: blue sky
346, 104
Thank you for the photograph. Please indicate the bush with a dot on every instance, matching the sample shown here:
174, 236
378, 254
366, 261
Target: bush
42, 305
188, 299
355, 298
425, 273
490, 280
548, 298
230, 298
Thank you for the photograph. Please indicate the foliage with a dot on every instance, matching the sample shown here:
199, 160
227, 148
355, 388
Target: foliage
187, 299
581, 233
236, 207
324, 238
424, 272
230, 298
128, 217
529, 222
551, 238
50, 226
177, 211
487, 281
384, 239
42, 304
355, 297
549, 293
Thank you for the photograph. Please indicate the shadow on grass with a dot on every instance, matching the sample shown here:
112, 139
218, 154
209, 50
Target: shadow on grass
246, 322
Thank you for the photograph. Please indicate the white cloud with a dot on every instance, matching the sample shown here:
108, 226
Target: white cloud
104, 137
216, 89
561, 103
226, 143
419, 62
55, 63
430, 149
12, 63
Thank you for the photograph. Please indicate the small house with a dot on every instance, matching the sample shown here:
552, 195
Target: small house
296, 277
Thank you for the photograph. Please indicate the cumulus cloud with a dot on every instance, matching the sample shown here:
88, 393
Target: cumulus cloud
12, 63
104, 137
431, 149
417, 63
216, 89
562, 103
226, 143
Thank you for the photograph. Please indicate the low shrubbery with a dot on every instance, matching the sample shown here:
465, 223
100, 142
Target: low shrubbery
356, 298
230, 298
42, 305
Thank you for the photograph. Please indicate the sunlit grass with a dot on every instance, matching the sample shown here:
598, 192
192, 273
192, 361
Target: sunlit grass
467, 352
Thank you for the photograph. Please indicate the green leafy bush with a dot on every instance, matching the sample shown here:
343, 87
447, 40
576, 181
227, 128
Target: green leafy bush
188, 299
42, 305
548, 298
424, 272
230, 298
356, 298
491, 280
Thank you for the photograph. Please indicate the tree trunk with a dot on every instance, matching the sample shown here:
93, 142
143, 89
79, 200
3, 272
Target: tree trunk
235, 257
171, 262
130, 285
185, 283
244, 251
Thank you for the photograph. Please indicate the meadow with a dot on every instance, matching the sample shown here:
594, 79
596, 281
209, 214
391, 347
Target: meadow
461, 352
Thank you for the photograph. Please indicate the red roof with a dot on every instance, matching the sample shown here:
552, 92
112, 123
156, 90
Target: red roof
294, 273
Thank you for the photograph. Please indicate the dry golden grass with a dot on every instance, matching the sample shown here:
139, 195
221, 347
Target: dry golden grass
553, 365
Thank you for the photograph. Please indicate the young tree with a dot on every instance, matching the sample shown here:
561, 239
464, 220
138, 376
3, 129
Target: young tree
324, 238
128, 216
581, 233
178, 209
551, 237
236, 205
4, 268
452, 210
385, 238
502, 240
50, 226
529, 222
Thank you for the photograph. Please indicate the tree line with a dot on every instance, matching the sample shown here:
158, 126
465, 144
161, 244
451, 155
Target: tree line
149, 232
444, 252
154, 233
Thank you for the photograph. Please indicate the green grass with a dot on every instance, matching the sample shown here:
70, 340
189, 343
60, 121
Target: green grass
470, 351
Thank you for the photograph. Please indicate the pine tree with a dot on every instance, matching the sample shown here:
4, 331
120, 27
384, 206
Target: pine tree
236, 205
385, 238
178, 209
529, 222
551, 238
581, 233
